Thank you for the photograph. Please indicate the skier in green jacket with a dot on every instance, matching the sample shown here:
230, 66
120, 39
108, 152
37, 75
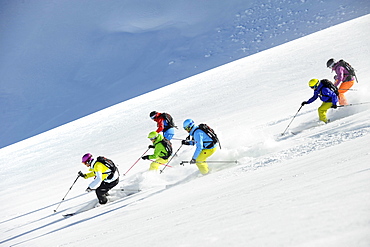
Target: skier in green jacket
161, 153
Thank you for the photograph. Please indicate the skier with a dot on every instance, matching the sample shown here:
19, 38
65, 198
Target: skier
327, 96
104, 180
164, 123
205, 146
343, 79
161, 152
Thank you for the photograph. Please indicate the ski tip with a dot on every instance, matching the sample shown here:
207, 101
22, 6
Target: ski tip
68, 215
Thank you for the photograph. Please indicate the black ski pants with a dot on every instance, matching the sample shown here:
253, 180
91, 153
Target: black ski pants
103, 189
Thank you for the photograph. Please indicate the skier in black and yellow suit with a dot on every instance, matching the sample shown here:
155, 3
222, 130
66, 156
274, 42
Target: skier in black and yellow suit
101, 184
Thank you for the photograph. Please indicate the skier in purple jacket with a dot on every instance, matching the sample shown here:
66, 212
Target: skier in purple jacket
343, 79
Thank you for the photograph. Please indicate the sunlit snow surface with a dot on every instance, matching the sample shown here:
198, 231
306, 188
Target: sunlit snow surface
311, 188
62, 60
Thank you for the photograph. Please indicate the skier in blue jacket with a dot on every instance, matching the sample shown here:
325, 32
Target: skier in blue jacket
205, 146
327, 96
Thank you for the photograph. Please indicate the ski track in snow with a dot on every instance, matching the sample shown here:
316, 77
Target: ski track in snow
319, 140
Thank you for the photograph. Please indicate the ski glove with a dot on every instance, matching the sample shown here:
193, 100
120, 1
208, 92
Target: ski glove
193, 161
334, 106
81, 174
89, 189
146, 157
151, 146
303, 103
185, 142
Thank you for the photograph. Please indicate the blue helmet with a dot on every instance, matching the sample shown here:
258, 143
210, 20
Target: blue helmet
188, 124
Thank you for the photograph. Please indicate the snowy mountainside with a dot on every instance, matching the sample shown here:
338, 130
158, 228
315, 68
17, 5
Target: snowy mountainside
59, 57
308, 189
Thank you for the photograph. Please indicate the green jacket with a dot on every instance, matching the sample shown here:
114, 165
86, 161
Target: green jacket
159, 150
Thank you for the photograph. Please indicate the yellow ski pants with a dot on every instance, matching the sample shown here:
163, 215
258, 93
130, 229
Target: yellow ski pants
201, 160
325, 106
155, 164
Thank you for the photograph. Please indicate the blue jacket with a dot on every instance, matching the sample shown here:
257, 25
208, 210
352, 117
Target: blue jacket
201, 140
325, 94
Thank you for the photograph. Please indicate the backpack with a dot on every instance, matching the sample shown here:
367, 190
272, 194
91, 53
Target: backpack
169, 120
211, 133
168, 146
348, 67
328, 84
108, 163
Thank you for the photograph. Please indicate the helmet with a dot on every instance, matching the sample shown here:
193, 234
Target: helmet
330, 63
87, 158
313, 83
153, 114
152, 135
188, 124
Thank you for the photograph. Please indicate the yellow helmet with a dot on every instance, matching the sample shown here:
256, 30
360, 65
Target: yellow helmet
152, 135
313, 83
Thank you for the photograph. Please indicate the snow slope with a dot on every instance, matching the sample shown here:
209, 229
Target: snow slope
309, 189
60, 58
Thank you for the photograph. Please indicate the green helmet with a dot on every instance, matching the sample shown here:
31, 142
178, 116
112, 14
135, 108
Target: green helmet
153, 135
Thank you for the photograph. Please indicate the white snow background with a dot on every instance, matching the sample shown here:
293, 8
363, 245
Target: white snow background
308, 189
62, 60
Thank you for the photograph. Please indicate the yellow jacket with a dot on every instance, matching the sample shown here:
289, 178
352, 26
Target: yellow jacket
101, 172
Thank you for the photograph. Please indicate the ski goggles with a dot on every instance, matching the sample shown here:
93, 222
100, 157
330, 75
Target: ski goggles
331, 65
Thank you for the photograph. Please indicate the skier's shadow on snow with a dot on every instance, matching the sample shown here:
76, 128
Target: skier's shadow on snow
40, 209
74, 223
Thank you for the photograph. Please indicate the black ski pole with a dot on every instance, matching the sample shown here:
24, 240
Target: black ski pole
354, 104
171, 159
350, 89
177, 139
292, 120
66, 194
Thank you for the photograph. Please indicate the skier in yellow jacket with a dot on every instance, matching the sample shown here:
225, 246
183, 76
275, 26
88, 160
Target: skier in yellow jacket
106, 176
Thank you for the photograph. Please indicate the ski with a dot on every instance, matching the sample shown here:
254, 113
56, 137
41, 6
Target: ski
68, 215
94, 204
90, 205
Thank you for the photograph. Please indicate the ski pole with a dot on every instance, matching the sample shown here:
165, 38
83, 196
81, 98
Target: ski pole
136, 162
171, 159
159, 163
354, 104
55, 210
292, 120
212, 161
125, 190
178, 139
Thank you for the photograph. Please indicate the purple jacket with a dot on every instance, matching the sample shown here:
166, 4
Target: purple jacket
342, 74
